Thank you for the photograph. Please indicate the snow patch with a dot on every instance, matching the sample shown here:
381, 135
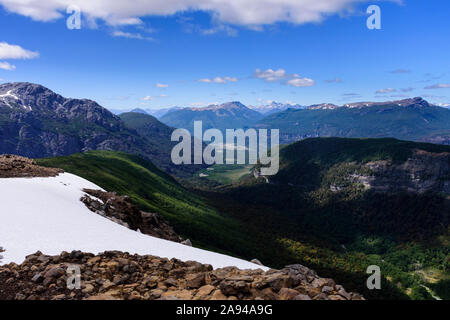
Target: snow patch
46, 214
9, 94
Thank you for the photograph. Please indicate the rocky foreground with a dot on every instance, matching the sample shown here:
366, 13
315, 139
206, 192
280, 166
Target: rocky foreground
116, 275
12, 166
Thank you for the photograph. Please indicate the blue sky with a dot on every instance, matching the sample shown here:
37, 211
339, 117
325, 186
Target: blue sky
200, 56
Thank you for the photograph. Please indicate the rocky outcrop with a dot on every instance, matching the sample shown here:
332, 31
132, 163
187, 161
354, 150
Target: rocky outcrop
18, 167
121, 210
423, 171
116, 275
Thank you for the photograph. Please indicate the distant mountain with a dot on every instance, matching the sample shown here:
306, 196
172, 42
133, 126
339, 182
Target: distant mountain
274, 107
150, 128
36, 122
138, 110
410, 119
158, 113
322, 106
225, 116
146, 125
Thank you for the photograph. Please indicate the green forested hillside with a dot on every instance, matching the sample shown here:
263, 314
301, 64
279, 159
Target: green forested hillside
341, 231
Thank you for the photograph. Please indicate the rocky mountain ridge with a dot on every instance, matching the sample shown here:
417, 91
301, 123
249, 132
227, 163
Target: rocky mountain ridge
274, 107
37, 123
417, 101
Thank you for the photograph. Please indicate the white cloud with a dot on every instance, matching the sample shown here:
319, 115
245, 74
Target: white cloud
231, 79
439, 86
11, 51
281, 75
387, 90
160, 85
298, 81
7, 66
203, 104
271, 75
221, 80
220, 28
250, 13
152, 98
130, 35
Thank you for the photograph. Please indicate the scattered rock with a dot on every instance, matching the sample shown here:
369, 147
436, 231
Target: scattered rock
256, 261
115, 275
187, 242
121, 210
195, 280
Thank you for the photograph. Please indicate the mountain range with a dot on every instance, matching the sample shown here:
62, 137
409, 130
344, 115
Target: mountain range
275, 107
36, 122
157, 113
409, 119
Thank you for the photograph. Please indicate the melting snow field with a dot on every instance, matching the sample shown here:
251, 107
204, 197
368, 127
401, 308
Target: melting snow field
46, 214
